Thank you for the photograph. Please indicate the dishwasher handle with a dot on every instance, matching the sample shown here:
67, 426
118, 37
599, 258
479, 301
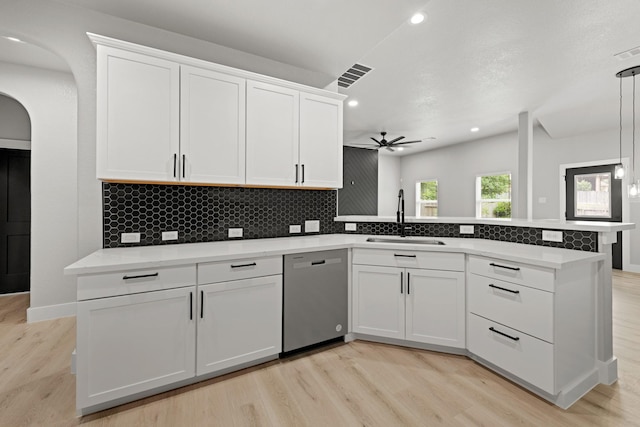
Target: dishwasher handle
318, 262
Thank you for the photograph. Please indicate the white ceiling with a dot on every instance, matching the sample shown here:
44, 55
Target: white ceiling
471, 63
30, 55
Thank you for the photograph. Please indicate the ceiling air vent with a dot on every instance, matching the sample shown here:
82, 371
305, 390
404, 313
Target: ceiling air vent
352, 75
628, 53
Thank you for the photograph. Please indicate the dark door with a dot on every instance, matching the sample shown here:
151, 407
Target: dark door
593, 194
15, 220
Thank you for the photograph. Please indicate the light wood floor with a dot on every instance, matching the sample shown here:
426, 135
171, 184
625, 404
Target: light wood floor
356, 384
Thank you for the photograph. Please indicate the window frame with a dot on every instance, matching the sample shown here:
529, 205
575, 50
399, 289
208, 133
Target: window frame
419, 201
480, 200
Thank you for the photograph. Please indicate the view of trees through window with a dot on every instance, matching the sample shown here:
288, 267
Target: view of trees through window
427, 198
493, 196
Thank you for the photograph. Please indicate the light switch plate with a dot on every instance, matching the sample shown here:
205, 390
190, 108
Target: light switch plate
466, 229
130, 238
295, 229
169, 235
552, 236
235, 232
312, 226
350, 226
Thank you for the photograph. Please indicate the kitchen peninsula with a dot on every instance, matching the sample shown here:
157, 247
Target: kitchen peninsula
550, 306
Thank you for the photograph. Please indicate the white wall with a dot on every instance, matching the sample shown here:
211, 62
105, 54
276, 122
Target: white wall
389, 183
456, 167
14, 121
51, 102
62, 29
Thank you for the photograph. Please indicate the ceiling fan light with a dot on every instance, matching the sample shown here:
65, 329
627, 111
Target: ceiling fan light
417, 18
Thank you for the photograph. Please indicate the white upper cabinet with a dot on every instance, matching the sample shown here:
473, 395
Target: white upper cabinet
137, 116
272, 135
212, 132
320, 141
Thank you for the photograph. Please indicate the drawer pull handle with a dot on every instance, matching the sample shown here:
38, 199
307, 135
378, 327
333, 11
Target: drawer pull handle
251, 264
505, 266
140, 276
503, 289
492, 329
318, 262
404, 256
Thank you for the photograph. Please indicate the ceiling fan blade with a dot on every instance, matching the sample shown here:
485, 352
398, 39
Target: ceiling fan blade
396, 139
407, 142
377, 142
389, 148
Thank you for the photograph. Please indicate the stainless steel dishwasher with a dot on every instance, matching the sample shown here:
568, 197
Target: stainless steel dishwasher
315, 298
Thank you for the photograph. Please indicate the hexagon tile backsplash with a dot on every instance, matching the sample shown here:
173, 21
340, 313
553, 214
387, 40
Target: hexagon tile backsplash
205, 214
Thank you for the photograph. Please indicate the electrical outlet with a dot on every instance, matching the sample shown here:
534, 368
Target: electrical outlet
130, 238
295, 229
169, 235
552, 236
466, 229
350, 226
235, 232
312, 226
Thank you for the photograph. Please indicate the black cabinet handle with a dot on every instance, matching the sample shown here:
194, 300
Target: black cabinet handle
140, 276
318, 262
190, 305
251, 264
296, 173
503, 289
408, 283
401, 284
183, 164
404, 256
505, 266
492, 329
202, 304
303, 173
175, 160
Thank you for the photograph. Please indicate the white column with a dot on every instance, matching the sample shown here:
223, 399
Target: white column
523, 208
607, 362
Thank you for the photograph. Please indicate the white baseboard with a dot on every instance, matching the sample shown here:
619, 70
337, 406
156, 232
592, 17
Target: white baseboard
49, 312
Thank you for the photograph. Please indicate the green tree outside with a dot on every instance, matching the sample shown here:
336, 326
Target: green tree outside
429, 190
493, 186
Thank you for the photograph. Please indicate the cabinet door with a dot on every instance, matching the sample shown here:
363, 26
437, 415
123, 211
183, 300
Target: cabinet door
133, 343
238, 322
378, 301
212, 131
272, 135
436, 307
137, 116
320, 141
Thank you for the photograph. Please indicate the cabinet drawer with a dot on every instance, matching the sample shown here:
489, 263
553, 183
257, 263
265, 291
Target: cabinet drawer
528, 275
222, 271
410, 259
135, 281
522, 355
526, 309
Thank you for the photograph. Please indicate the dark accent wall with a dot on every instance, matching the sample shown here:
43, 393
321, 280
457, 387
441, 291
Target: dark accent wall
204, 214
359, 193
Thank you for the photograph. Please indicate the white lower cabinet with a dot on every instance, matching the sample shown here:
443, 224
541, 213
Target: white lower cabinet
133, 343
238, 322
419, 305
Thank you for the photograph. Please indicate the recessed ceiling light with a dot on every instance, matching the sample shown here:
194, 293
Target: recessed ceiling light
13, 39
400, 148
417, 18
353, 103
475, 129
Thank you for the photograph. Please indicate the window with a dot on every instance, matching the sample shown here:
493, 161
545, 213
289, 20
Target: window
493, 196
427, 198
592, 195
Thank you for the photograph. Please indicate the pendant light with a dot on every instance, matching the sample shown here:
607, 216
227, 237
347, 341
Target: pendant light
619, 171
633, 189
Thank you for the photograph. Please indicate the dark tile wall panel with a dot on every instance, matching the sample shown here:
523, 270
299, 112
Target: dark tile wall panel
578, 240
359, 195
204, 214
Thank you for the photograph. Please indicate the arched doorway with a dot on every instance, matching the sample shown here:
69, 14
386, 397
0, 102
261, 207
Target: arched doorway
15, 196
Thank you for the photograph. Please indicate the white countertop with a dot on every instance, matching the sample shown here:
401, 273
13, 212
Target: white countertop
556, 224
118, 259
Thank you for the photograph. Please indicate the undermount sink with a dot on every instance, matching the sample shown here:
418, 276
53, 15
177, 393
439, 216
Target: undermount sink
405, 240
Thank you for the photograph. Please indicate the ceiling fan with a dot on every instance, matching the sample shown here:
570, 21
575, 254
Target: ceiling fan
389, 145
